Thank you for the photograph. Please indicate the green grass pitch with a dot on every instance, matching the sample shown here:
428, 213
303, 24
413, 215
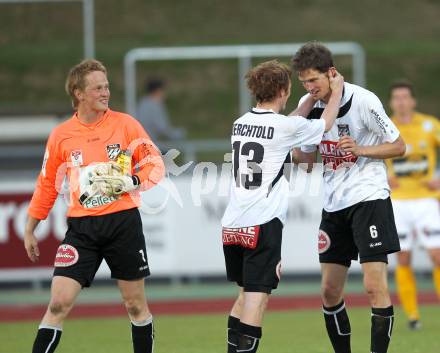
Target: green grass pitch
284, 332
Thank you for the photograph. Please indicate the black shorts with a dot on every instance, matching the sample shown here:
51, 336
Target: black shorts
115, 237
258, 269
366, 229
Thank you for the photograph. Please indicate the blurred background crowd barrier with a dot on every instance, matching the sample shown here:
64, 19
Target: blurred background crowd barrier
182, 229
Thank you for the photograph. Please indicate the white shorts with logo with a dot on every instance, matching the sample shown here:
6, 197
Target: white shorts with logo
417, 219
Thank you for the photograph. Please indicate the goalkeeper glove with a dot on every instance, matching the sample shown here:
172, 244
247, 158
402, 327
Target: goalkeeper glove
102, 169
95, 188
115, 185
107, 179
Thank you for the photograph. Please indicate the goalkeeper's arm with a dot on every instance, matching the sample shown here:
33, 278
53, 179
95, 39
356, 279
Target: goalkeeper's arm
150, 168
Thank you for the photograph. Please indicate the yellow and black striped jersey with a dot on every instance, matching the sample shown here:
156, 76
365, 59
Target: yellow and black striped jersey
422, 138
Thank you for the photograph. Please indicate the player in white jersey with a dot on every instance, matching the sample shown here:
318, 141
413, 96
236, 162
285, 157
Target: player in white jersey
357, 218
252, 224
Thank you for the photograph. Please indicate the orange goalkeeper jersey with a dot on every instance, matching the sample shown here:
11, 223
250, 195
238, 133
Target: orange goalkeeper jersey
72, 151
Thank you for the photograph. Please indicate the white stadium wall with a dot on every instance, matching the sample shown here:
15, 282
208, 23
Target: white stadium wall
181, 220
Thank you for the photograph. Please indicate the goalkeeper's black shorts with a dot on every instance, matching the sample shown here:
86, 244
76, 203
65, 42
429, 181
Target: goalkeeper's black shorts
115, 237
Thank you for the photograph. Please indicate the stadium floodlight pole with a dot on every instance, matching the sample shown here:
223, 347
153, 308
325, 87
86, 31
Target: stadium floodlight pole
89, 28
244, 65
88, 22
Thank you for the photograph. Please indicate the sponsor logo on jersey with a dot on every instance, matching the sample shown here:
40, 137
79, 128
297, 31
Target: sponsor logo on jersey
113, 151
375, 245
343, 130
411, 166
383, 125
246, 237
333, 157
66, 256
323, 242
99, 200
76, 158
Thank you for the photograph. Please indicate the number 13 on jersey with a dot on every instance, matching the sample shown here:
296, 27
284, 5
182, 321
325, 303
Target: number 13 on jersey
255, 153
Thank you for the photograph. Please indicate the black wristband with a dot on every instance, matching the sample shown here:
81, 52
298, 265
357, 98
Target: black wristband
136, 180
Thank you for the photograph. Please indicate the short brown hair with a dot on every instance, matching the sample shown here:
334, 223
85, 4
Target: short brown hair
402, 84
268, 79
312, 55
76, 77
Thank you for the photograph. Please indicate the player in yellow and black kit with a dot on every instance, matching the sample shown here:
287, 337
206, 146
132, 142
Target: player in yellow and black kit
415, 194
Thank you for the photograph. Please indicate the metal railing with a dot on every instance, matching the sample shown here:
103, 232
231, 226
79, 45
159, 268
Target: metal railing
190, 148
244, 54
30, 156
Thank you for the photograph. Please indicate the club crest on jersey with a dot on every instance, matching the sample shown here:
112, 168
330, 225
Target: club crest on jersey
343, 130
323, 242
66, 256
76, 158
333, 157
113, 151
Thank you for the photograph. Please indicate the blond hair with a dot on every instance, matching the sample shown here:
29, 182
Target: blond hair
76, 77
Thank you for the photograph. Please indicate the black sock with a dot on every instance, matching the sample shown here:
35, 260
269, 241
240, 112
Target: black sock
142, 335
47, 339
338, 327
232, 338
382, 320
248, 338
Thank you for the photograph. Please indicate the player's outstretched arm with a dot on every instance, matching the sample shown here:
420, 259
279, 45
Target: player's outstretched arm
304, 108
304, 160
331, 110
30, 241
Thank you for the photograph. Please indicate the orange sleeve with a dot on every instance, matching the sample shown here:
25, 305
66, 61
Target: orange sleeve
49, 181
147, 159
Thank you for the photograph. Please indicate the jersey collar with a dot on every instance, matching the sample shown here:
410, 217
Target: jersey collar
343, 109
92, 125
261, 111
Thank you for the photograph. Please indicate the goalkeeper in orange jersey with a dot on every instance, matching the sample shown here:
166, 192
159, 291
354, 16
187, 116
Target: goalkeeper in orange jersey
106, 158
415, 193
